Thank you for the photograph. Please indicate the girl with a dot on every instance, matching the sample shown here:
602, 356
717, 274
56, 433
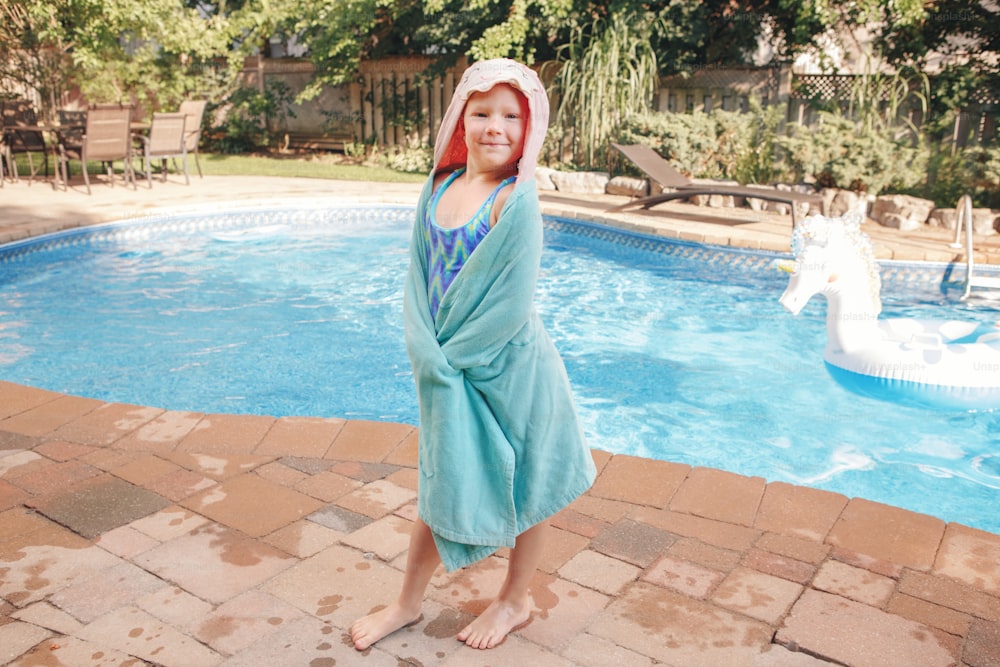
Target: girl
500, 447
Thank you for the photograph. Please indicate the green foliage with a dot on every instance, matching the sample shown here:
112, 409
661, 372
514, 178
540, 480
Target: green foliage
840, 152
719, 144
252, 119
150, 52
610, 72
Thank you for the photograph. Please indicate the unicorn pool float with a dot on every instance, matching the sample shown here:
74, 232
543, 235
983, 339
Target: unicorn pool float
946, 364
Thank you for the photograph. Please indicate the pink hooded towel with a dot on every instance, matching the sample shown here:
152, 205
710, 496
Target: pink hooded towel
449, 149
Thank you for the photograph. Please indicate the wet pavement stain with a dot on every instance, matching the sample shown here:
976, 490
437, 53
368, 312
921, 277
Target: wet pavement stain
448, 623
329, 604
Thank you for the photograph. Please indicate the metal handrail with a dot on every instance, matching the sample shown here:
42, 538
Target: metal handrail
964, 214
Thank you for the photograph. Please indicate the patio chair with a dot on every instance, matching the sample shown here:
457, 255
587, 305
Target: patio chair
195, 111
106, 138
167, 139
681, 187
21, 135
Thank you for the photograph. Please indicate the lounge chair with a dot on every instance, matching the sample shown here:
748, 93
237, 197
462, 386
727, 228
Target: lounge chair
107, 138
167, 139
195, 110
681, 187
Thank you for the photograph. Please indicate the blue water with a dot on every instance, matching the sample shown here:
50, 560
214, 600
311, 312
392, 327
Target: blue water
674, 355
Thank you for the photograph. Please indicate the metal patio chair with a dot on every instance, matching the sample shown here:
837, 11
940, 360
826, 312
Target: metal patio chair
195, 111
107, 137
167, 138
21, 134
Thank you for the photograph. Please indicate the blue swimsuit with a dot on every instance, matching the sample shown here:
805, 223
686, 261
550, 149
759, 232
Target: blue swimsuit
449, 249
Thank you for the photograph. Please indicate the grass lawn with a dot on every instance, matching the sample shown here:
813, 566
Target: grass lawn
332, 166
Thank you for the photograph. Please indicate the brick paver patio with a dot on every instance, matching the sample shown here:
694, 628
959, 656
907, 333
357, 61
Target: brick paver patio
134, 535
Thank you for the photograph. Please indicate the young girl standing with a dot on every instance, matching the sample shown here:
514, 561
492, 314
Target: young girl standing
500, 448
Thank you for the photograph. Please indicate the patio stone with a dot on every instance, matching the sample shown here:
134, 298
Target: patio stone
387, 538
47, 616
756, 594
799, 511
677, 630
338, 585
369, 441
100, 504
779, 566
17, 638
61, 450
226, 434
308, 437
47, 416
632, 541
136, 633
890, 533
971, 556
219, 467
89, 598
851, 633
684, 577
161, 434
717, 533
952, 594
49, 477
18, 398
854, 583
376, 499
71, 651
106, 424
928, 613
590, 651
339, 519
238, 623
252, 505
214, 562
982, 647
639, 481
599, 572
303, 538
176, 607
719, 495
306, 641
169, 523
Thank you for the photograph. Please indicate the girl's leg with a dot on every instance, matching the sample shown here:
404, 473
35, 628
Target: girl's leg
512, 606
421, 561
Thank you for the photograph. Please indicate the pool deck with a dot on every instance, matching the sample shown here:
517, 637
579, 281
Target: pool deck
175, 538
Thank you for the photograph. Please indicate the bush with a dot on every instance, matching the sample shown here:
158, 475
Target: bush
250, 119
841, 153
719, 144
973, 170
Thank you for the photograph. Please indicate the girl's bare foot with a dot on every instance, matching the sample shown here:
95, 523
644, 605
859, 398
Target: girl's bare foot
494, 624
373, 627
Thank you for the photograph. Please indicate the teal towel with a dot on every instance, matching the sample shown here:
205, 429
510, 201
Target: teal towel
501, 447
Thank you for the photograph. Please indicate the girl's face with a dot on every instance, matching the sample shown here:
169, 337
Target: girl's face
495, 124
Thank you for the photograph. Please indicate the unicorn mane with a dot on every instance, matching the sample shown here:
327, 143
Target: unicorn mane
841, 235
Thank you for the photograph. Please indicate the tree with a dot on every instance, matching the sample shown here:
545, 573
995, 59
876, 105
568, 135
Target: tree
152, 52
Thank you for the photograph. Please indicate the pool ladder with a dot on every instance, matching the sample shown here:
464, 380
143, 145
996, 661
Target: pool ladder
964, 216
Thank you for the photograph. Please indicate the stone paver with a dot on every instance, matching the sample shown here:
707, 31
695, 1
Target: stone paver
129, 534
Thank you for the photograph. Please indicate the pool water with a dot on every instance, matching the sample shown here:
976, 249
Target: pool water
674, 352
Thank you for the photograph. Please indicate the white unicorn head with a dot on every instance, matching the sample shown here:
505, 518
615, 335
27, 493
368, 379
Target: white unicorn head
833, 257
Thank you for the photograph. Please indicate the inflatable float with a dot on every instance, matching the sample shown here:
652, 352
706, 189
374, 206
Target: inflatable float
942, 364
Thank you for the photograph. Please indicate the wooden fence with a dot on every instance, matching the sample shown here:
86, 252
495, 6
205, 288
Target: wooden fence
392, 103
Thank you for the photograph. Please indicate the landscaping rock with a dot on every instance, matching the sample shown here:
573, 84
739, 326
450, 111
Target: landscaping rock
715, 201
628, 186
543, 178
902, 212
839, 202
985, 221
581, 182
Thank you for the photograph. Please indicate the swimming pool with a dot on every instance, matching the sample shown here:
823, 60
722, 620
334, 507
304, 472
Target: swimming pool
676, 351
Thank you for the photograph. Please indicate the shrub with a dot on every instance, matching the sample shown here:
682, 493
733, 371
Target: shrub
719, 144
842, 153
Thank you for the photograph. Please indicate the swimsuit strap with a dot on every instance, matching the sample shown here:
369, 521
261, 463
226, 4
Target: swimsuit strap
484, 207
